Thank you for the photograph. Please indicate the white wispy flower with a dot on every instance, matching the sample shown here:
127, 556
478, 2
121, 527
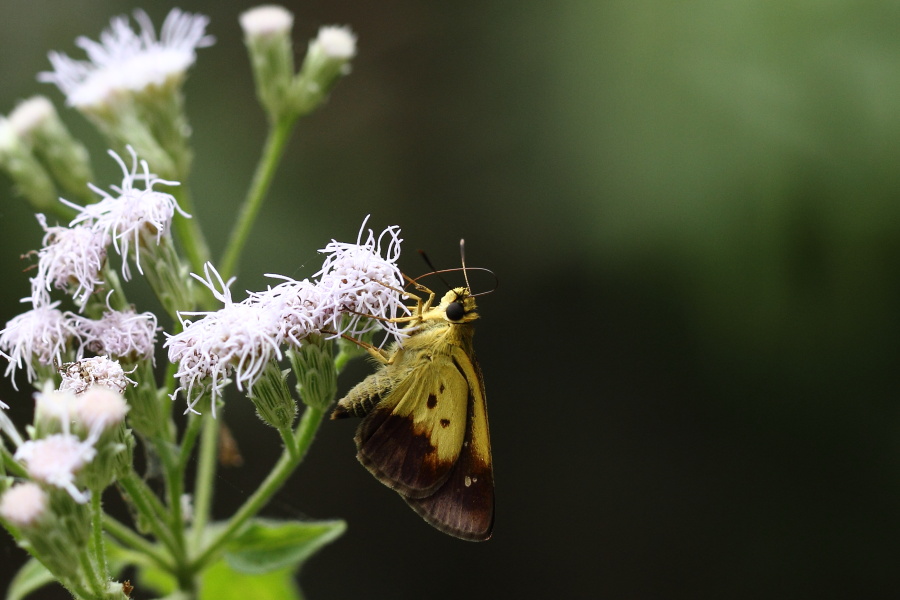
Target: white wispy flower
56, 460
125, 61
24, 504
121, 333
38, 336
133, 217
299, 308
70, 257
86, 373
240, 338
355, 279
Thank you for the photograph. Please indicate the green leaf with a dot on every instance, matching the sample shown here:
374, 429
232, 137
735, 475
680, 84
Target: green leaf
221, 582
32, 576
268, 545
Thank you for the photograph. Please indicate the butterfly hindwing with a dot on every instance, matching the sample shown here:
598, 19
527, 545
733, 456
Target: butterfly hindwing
464, 505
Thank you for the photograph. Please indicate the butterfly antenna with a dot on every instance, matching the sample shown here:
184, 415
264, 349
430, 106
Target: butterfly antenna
433, 270
462, 260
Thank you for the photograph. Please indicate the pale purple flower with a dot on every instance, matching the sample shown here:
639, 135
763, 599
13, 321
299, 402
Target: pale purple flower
79, 376
39, 336
56, 460
71, 257
24, 504
133, 216
238, 339
126, 61
358, 281
121, 333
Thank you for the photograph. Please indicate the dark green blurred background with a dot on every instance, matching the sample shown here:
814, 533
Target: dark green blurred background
693, 209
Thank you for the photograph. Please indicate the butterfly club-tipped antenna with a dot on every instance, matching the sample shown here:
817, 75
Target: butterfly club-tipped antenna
465, 270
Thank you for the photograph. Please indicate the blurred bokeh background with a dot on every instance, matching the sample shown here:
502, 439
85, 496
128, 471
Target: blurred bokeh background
693, 209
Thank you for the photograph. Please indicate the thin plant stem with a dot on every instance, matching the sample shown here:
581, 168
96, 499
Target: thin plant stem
259, 187
94, 580
189, 439
174, 487
190, 236
303, 437
204, 485
98, 548
129, 538
143, 501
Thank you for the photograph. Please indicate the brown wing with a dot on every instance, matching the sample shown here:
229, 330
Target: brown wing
464, 505
413, 437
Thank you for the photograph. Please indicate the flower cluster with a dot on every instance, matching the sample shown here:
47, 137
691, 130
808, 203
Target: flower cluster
357, 281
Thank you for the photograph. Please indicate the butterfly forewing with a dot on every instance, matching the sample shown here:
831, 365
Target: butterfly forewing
412, 439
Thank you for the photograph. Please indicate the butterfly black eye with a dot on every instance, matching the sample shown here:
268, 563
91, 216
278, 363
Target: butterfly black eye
455, 311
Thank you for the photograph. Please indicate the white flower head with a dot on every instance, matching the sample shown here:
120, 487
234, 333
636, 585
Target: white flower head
88, 373
133, 217
299, 308
37, 336
121, 333
240, 338
336, 42
125, 61
56, 460
71, 257
24, 504
357, 280
31, 114
100, 408
266, 20
54, 409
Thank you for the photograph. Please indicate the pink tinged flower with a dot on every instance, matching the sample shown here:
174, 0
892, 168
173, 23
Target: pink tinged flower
56, 460
361, 280
133, 217
126, 61
239, 339
40, 336
99, 409
71, 259
88, 373
121, 333
24, 504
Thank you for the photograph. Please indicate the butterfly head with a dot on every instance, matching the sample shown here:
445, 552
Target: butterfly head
458, 306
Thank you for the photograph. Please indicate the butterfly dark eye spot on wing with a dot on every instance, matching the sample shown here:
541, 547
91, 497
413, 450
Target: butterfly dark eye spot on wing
455, 311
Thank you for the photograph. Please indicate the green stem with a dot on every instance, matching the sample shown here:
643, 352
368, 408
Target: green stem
98, 548
302, 438
126, 536
188, 231
12, 467
189, 439
90, 573
262, 179
174, 487
146, 504
206, 474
